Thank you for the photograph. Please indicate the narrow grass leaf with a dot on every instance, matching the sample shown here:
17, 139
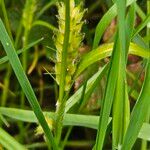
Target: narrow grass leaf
24, 82
3, 120
90, 83
140, 41
102, 25
105, 21
105, 50
45, 24
80, 120
140, 12
142, 25
88, 121
5, 58
137, 118
118, 107
121, 107
9, 142
108, 96
119, 98
94, 86
130, 23
145, 132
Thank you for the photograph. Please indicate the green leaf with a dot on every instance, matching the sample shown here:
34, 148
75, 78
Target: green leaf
138, 118
120, 101
121, 106
145, 132
88, 121
102, 25
90, 85
5, 58
105, 21
9, 142
140, 12
142, 25
45, 24
108, 96
24, 82
105, 50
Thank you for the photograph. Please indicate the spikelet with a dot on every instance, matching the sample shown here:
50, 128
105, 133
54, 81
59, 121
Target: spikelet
75, 39
28, 13
39, 129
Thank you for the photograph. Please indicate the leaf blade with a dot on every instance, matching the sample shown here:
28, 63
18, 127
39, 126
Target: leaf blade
24, 82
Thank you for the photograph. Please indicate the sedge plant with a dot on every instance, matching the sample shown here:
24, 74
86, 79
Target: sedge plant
122, 116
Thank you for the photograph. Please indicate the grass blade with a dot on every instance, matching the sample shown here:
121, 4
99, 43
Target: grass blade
102, 25
88, 121
145, 132
137, 118
9, 142
105, 50
5, 58
69, 119
120, 100
24, 82
105, 21
108, 97
90, 83
45, 24
142, 25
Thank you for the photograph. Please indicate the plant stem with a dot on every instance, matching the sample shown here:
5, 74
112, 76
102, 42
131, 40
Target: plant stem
61, 101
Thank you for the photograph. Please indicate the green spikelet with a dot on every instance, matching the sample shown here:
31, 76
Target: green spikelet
76, 37
28, 13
